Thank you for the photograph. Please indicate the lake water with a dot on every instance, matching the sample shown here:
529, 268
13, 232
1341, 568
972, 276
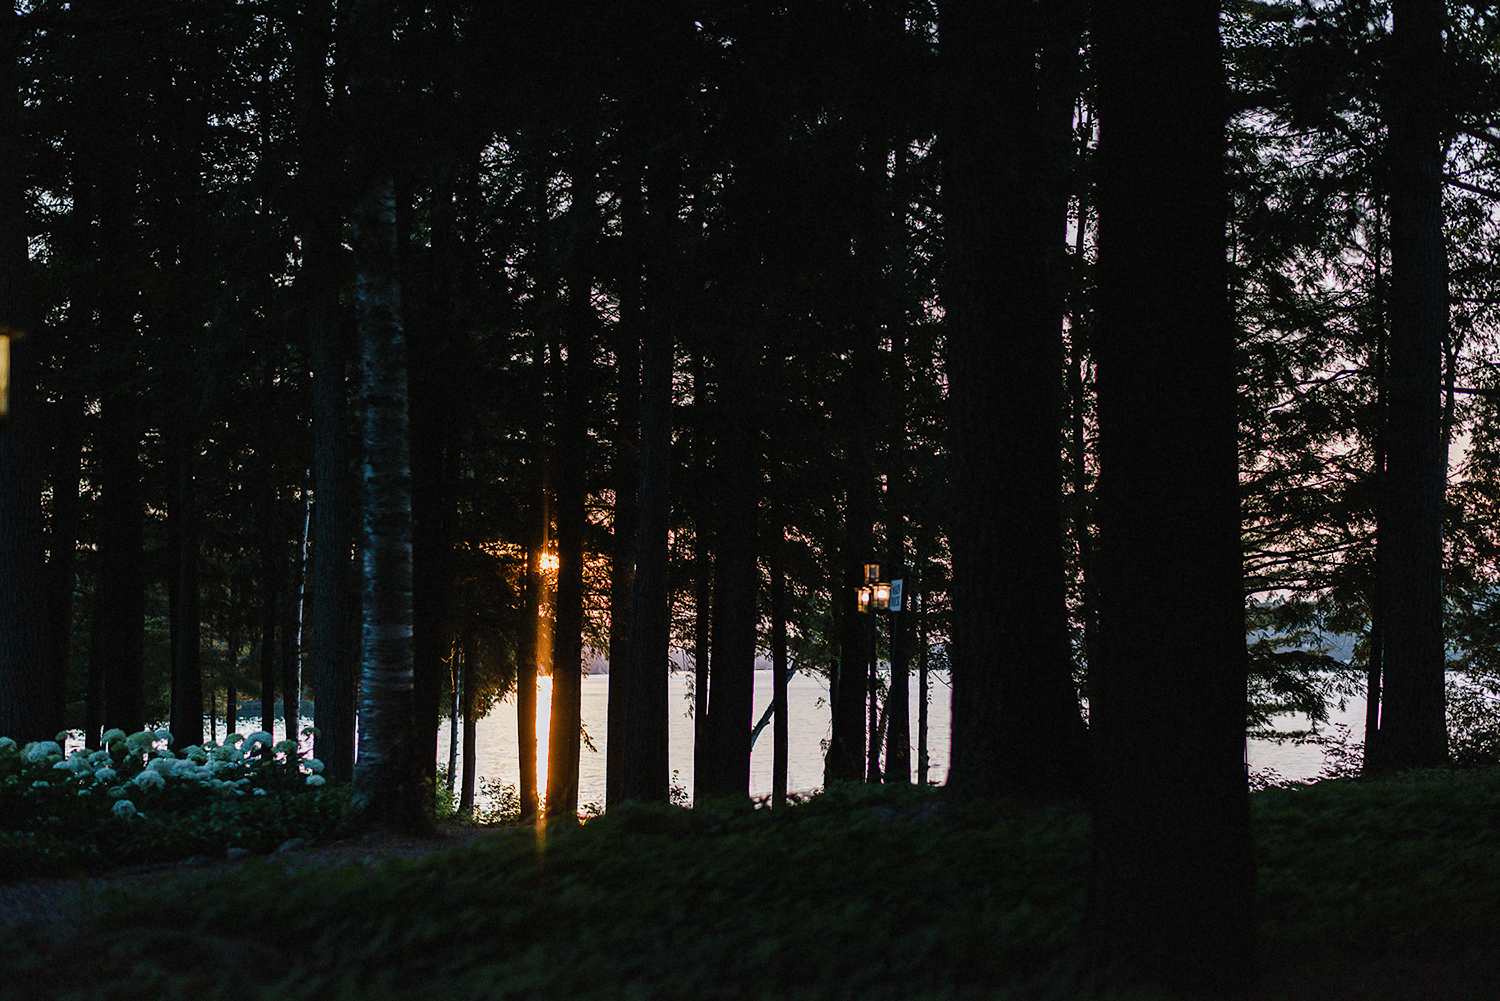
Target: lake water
497, 754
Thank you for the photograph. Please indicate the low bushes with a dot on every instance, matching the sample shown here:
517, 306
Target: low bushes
135, 800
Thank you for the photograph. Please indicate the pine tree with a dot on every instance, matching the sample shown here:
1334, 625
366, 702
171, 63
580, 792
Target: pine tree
1171, 893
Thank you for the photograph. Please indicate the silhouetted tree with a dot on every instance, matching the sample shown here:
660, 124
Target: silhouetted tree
1171, 892
387, 772
1016, 720
1409, 537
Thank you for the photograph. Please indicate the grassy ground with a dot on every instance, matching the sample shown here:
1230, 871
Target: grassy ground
1388, 891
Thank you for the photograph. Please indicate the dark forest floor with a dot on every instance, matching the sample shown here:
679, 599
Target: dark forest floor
1388, 891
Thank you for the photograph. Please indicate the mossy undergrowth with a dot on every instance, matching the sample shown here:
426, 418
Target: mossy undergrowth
857, 894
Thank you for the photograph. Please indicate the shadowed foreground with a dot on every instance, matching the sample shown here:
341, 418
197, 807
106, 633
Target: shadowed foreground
1390, 891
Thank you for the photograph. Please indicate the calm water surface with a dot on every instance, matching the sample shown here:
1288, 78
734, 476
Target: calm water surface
497, 752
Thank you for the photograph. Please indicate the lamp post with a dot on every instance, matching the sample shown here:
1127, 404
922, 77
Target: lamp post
874, 597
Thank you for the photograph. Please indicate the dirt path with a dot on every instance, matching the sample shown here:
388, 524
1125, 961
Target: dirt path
65, 906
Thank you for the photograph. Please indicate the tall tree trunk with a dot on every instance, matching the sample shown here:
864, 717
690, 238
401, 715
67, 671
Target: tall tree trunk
1375, 641
1171, 893
779, 678
62, 539
454, 712
119, 638
920, 597
1409, 546
898, 709
872, 765
849, 686
625, 476
736, 577
26, 693
703, 576
897, 766
387, 775
272, 562
529, 651
646, 773
332, 584
433, 529
468, 655
435, 461
292, 629
187, 624
1017, 727
564, 737
231, 708
120, 615
333, 651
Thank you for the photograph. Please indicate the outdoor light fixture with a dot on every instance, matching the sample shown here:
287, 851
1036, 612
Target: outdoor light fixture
875, 595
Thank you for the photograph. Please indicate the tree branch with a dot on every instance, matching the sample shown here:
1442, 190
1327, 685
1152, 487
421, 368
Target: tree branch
1487, 192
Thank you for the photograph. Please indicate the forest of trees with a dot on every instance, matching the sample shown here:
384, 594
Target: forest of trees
352, 349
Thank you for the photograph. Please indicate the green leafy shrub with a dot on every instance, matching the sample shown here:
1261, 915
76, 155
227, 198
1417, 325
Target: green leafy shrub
137, 800
1473, 724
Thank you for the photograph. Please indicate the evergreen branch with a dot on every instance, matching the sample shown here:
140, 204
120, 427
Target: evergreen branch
1487, 138
1477, 189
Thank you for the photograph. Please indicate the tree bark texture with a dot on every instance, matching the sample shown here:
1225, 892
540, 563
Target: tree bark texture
1409, 537
1171, 894
646, 775
1017, 727
387, 776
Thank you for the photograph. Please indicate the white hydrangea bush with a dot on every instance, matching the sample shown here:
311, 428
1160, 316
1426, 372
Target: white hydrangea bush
135, 774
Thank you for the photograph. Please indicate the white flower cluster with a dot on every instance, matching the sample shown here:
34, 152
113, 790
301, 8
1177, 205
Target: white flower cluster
149, 765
